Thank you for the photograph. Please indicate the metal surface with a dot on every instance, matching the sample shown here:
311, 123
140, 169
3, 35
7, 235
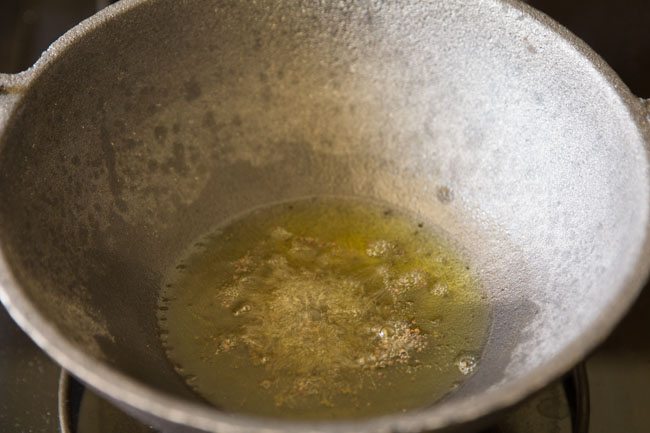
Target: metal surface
550, 411
577, 391
82, 411
153, 121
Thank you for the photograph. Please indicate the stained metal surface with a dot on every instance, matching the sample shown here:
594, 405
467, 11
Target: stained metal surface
153, 121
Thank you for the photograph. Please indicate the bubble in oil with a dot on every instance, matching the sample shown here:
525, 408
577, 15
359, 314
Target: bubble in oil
382, 248
467, 364
243, 309
439, 288
280, 234
415, 279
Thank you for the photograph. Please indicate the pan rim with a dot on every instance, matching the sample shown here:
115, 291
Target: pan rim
149, 400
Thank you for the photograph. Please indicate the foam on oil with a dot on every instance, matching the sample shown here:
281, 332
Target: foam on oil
323, 308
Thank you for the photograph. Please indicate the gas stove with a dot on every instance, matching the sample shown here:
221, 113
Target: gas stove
38, 397
607, 393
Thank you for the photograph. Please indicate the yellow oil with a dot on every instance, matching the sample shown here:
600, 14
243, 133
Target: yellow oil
325, 308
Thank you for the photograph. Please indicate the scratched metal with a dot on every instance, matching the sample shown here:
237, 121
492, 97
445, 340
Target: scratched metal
154, 120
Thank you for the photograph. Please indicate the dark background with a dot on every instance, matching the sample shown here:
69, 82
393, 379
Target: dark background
617, 30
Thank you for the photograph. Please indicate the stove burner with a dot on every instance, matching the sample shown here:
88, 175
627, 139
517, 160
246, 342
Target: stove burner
562, 407
83, 411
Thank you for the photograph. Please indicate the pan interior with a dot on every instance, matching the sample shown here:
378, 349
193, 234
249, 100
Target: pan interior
158, 125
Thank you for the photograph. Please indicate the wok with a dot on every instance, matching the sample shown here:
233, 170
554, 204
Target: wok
154, 120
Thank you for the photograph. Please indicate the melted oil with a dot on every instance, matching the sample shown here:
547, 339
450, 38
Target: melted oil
320, 309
